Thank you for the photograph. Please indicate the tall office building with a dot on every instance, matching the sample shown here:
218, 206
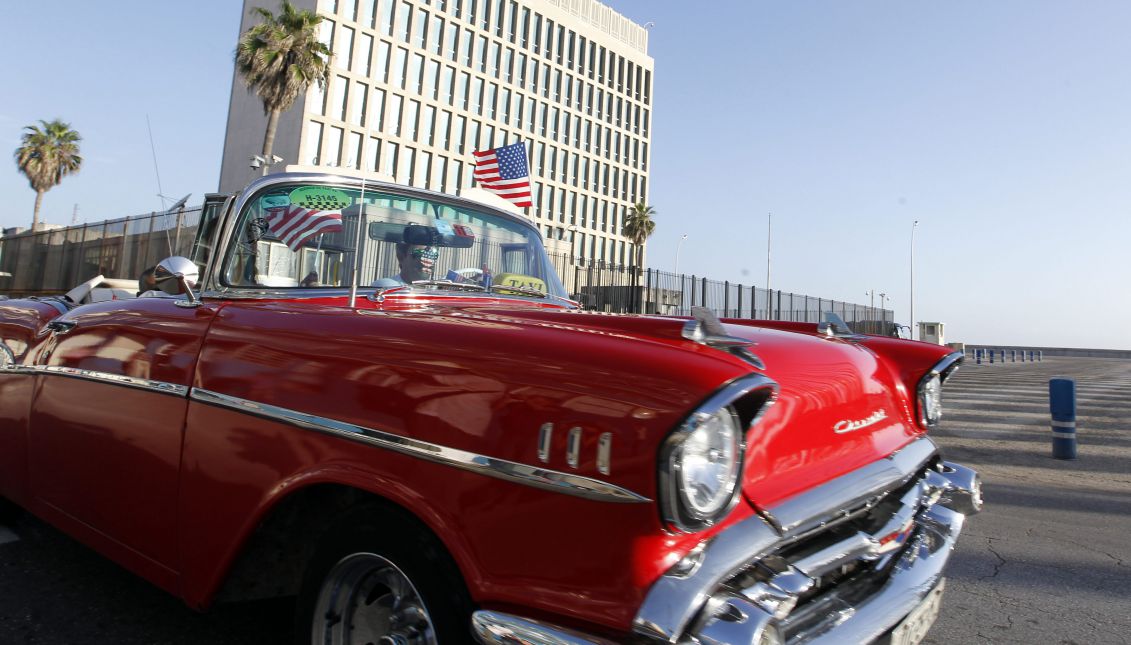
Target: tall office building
417, 85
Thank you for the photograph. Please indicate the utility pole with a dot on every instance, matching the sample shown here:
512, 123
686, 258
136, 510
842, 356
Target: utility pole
769, 236
913, 325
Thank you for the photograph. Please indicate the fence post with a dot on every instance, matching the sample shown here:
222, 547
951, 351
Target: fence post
594, 297
647, 289
726, 298
682, 281
577, 282
738, 292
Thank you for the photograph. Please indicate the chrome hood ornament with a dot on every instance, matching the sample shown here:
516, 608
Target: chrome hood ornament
707, 329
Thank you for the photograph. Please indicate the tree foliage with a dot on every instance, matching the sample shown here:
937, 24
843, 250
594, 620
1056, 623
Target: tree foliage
47, 153
638, 224
279, 58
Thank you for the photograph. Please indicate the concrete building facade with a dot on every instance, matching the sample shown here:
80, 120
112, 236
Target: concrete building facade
417, 85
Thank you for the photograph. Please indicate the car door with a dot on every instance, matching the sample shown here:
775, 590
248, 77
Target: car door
106, 425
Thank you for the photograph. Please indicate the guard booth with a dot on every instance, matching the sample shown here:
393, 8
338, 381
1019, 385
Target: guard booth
932, 332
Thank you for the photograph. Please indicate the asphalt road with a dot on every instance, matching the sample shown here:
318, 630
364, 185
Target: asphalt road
55, 591
1047, 561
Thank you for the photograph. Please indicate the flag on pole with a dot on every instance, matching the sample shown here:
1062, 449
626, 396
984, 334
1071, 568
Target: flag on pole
295, 225
504, 172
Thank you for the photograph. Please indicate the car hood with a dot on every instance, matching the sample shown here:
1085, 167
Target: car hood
839, 406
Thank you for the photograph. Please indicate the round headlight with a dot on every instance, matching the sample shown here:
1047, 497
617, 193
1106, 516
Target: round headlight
707, 464
930, 399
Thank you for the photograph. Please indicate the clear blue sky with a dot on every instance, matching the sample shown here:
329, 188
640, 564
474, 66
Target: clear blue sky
1004, 127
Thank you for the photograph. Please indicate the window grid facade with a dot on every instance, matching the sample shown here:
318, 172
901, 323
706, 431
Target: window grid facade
432, 80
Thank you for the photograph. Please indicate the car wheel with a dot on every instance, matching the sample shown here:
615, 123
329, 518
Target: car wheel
379, 577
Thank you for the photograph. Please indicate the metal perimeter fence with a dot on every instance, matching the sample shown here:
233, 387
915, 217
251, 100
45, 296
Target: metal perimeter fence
53, 261
56, 260
620, 289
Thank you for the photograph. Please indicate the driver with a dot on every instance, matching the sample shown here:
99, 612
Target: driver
417, 262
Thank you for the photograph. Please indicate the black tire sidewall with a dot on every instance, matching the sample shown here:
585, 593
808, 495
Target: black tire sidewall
404, 541
9, 512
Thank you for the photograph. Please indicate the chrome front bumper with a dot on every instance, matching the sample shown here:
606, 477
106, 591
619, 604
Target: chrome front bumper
802, 573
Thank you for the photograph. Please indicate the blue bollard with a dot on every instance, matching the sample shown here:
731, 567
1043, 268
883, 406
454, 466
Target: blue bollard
1030, 356
1003, 355
1013, 356
978, 356
991, 357
1062, 405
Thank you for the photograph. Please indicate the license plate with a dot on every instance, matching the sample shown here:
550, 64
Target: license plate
914, 628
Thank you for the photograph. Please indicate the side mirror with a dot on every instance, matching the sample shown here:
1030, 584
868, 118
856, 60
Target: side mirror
178, 275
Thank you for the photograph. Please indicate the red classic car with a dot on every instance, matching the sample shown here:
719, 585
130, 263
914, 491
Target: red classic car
382, 401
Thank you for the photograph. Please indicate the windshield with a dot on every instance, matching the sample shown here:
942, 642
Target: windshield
303, 235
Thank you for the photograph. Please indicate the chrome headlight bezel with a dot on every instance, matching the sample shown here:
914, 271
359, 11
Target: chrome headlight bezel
928, 399
717, 428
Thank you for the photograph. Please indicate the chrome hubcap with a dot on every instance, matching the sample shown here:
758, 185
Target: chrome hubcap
367, 600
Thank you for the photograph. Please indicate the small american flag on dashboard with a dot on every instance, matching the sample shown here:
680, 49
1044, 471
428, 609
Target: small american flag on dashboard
295, 225
504, 172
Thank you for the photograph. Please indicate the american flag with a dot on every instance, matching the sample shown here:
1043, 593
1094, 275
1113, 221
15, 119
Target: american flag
504, 172
295, 225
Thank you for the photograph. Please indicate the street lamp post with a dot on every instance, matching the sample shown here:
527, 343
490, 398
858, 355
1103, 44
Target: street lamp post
871, 293
677, 247
883, 312
913, 227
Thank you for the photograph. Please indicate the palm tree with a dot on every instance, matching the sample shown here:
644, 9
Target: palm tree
47, 153
638, 227
279, 58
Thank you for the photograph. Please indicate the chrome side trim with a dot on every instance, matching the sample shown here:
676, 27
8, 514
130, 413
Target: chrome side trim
103, 377
810, 509
499, 468
604, 452
497, 628
573, 447
545, 436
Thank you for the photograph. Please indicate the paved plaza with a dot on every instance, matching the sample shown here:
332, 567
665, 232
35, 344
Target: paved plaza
1049, 559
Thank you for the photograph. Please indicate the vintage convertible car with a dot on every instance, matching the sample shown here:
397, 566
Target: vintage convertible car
461, 452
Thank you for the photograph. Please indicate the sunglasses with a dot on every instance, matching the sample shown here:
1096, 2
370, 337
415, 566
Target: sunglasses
426, 253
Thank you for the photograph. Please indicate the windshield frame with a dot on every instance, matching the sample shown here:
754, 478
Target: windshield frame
214, 288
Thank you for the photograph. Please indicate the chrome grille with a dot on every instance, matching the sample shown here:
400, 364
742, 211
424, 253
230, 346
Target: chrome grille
842, 562
812, 582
